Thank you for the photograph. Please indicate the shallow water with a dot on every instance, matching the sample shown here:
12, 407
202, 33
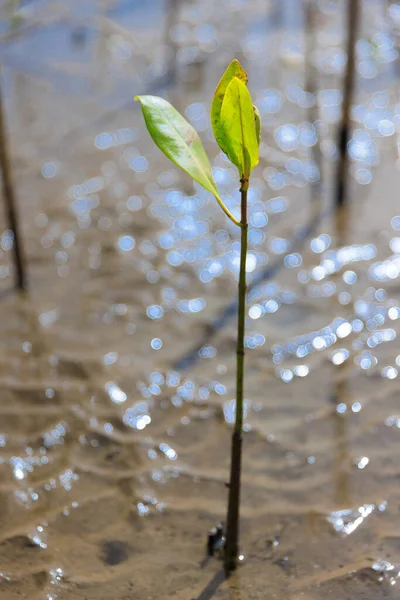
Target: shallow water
117, 367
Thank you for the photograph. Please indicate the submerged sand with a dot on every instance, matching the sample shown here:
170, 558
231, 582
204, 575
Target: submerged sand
114, 449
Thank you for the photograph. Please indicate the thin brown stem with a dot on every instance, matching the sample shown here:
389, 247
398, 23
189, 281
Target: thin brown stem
232, 526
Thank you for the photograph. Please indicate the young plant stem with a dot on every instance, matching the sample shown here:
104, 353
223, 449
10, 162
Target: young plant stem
353, 10
232, 524
10, 201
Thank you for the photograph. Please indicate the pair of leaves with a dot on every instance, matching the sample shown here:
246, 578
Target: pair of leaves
235, 121
234, 125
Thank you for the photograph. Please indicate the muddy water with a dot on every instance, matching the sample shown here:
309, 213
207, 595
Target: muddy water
117, 367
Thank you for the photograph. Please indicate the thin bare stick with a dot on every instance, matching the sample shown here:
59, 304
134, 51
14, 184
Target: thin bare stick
353, 11
9, 199
311, 86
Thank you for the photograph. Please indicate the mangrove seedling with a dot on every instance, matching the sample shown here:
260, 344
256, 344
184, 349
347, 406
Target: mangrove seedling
236, 126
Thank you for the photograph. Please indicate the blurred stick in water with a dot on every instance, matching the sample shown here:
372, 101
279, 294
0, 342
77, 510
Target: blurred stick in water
352, 11
9, 198
171, 19
311, 86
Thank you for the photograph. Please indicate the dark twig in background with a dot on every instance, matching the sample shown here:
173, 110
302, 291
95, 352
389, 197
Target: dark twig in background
341, 193
10, 200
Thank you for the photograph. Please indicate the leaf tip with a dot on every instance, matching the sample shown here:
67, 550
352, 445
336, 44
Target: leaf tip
237, 63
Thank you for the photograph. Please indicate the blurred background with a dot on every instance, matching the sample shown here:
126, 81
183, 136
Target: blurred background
117, 363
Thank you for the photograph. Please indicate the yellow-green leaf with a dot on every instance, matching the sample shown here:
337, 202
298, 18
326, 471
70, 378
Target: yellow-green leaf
180, 142
239, 128
257, 121
234, 69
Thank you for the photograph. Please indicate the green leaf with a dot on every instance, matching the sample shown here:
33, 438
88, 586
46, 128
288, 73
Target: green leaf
239, 127
257, 121
180, 142
234, 69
